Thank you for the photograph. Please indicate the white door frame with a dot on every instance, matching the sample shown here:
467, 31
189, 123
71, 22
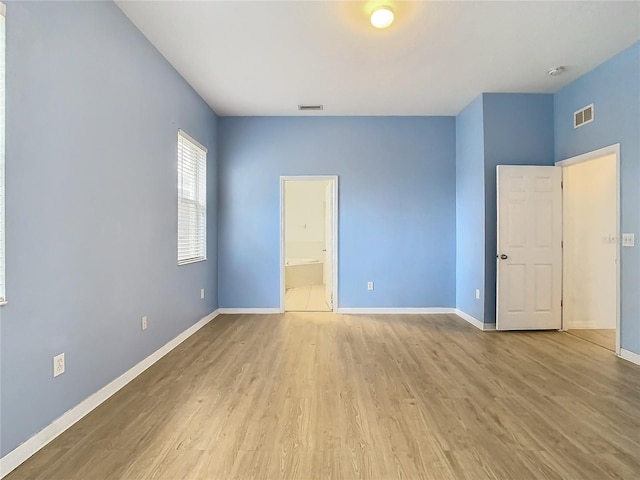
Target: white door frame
585, 157
310, 178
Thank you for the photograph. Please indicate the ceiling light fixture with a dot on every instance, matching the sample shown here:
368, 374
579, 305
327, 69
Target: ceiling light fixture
555, 71
382, 17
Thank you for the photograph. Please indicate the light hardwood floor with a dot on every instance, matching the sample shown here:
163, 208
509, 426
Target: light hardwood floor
604, 338
304, 396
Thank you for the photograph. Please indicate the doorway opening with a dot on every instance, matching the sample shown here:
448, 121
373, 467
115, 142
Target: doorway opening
308, 243
591, 235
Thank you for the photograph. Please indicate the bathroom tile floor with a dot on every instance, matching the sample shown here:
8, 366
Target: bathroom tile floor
306, 299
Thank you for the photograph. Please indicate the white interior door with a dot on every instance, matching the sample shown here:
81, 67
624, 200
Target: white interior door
529, 272
328, 244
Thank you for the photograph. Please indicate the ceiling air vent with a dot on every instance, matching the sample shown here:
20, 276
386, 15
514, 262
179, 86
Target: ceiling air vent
310, 108
582, 116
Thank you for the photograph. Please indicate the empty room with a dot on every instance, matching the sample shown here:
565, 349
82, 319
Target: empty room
319, 239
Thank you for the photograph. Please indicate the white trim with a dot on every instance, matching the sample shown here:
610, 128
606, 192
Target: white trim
249, 311
14, 458
3, 143
601, 152
585, 157
192, 140
474, 321
629, 356
192, 260
310, 178
579, 325
395, 311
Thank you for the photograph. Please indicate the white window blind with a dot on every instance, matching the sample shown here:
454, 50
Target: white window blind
2, 136
192, 200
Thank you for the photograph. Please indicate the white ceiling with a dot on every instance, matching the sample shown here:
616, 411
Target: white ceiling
266, 57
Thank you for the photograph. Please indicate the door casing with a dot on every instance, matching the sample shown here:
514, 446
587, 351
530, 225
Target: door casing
309, 178
602, 152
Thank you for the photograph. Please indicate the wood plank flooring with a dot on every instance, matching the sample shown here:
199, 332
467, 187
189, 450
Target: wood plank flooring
306, 396
603, 337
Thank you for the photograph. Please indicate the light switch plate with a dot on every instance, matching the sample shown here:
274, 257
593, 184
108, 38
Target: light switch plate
628, 240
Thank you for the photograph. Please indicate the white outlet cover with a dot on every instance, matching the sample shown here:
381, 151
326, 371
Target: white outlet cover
144, 322
628, 240
58, 365
369, 285
201, 293
477, 294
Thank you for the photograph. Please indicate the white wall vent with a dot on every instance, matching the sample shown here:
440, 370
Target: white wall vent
583, 116
310, 108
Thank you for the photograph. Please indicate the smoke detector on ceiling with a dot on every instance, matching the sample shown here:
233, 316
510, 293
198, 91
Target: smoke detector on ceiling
555, 71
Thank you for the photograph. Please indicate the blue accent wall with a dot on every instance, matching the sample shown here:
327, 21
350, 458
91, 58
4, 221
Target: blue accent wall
470, 213
614, 90
518, 130
91, 207
396, 206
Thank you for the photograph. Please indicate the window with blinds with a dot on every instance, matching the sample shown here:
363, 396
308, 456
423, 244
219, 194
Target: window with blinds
2, 125
192, 200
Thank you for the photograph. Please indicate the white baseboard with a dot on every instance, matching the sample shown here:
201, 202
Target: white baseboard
583, 325
630, 356
22, 452
254, 311
474, 321
399, 311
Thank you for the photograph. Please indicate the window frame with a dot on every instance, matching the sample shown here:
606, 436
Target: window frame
3, 64
196, 198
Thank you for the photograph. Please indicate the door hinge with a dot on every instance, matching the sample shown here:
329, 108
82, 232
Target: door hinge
561, 184
561, 302
561, 243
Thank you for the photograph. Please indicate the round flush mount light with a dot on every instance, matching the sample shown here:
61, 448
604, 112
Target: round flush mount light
555, 71
382, 17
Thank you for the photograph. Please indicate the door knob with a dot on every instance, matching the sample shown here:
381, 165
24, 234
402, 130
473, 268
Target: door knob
504, 257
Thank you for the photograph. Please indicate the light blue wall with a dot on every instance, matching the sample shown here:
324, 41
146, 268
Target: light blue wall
614, 89
518, 130
470, 238
92, 118
396, 207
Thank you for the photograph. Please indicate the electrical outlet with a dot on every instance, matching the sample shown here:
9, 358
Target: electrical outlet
369, 285
477, 294
58, 365
144, 322
628, 240
201, 293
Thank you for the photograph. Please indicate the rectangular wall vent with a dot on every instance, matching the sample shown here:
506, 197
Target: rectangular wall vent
310, 108
583, 116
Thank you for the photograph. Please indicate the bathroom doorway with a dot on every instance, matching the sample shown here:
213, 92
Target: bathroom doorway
592, 247
308, 237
